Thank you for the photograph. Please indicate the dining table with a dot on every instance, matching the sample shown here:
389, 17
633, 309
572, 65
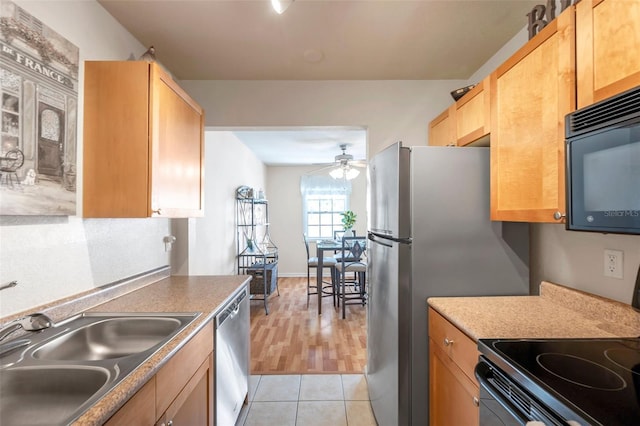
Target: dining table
323, 246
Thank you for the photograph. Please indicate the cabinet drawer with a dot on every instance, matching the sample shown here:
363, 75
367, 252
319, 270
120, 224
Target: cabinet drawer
181, 367
457, 345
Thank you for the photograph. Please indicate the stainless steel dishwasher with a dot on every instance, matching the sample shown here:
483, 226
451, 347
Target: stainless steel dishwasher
232, 359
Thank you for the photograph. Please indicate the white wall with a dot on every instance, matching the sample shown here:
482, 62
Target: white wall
211, 247
285, 208
390, 110
54, 257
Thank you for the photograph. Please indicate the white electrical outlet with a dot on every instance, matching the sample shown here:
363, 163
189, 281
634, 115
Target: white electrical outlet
613, 263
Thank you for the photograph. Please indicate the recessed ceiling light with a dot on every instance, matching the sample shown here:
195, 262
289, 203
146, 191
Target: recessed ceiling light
313, 55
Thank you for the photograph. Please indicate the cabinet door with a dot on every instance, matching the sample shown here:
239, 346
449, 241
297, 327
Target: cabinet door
174, 375
453, 398
473, 114
531, 94
143, 143
177, 146
140, 410
116, 139
194, 403
607, 40
442, 128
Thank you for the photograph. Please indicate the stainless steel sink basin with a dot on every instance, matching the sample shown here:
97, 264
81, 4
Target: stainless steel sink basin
109, 338
54, 375
47, 395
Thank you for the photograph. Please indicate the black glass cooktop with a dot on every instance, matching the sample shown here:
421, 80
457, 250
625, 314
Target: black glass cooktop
599, 379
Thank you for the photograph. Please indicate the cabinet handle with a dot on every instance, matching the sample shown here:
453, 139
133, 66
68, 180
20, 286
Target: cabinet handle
476, 401
559, 216
158, 212
448, 342
170, 423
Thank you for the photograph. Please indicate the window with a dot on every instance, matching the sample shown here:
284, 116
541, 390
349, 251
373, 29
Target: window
323, 199
323, 214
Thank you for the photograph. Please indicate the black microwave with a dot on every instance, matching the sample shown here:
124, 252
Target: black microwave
603, 165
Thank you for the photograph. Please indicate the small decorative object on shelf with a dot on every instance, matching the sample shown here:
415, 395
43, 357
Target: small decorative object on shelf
149, 55
458, 93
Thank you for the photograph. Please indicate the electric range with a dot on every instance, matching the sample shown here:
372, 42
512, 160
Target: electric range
561, 381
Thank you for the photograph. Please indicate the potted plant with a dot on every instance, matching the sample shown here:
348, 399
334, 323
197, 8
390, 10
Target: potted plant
348, 220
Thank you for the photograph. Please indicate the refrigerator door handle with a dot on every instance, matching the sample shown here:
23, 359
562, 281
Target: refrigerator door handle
372, 237
377, 237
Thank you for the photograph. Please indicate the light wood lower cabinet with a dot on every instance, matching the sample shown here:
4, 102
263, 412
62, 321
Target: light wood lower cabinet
140, 410
453, 390
194, 404
181, 393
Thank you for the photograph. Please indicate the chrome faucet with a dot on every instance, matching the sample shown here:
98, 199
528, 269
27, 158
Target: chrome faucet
32, 322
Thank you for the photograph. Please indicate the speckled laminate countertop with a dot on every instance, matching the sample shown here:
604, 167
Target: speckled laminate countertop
205, 294
558, 312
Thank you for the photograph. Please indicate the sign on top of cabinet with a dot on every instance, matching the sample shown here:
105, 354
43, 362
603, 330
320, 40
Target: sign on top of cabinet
607, 44
143, 143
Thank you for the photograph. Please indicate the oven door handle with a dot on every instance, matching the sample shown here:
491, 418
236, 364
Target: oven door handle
483, 374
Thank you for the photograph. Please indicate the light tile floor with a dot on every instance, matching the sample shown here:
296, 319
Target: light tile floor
307, 400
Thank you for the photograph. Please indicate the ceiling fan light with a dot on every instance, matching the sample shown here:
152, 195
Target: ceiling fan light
280, 5
336, 173
351, 173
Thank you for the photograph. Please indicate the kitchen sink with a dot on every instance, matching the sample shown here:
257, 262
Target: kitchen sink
53, 376
47, 395
109, 338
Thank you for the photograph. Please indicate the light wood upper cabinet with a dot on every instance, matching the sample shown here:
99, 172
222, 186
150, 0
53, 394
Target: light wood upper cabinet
531, 94
467, 120
442, 128
607, 40
453, 389
143, 143
473, 114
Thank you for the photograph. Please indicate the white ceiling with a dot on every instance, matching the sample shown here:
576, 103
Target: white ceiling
318, 146
320, 40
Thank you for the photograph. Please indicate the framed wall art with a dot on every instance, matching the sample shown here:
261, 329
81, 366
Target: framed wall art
38, 133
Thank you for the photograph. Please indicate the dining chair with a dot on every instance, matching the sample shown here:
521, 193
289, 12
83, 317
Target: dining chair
328, 263
353, 258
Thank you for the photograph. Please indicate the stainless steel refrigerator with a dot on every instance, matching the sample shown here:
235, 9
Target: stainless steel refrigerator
429, 235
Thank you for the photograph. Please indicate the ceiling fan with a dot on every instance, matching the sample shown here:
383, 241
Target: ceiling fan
344, 167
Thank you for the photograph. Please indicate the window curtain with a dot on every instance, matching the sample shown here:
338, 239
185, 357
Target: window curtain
323, 185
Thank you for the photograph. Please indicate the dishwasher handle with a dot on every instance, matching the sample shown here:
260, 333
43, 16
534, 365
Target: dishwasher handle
231, 309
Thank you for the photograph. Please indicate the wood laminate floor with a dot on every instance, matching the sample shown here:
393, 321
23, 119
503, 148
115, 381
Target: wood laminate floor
294, 339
